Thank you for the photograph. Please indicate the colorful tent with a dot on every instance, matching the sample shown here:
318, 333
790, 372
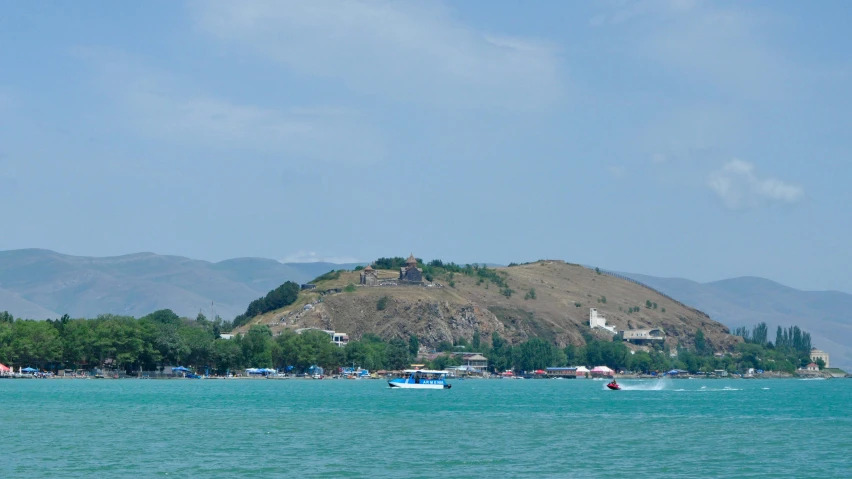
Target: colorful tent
4, 368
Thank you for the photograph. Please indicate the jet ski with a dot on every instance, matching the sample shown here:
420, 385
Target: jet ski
614, 386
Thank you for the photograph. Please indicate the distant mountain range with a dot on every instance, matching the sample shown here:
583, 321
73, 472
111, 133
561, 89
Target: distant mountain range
43, 284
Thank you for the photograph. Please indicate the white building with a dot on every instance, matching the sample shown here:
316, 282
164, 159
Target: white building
340, 339
643, 336
817, 354
598, 321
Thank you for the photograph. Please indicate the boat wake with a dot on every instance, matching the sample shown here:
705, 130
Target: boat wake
706, 389
652, 385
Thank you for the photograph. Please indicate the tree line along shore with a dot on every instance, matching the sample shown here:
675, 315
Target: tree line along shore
124, 343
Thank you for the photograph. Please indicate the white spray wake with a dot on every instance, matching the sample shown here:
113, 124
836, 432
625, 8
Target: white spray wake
650, 385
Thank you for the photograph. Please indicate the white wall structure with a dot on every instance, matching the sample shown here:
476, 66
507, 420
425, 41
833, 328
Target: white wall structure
598, 321
817, 354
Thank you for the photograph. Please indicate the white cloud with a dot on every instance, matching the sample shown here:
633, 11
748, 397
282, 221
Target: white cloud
737, 184
659, 158
314, 257
726, 47
618, 172
166, 106
408, 51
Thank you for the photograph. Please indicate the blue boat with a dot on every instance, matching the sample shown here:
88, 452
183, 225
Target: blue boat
421, 379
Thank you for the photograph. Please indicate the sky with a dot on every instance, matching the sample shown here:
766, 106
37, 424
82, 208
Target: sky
676, 138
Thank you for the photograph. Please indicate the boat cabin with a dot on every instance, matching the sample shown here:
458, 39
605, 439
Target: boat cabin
425, 376
421, 379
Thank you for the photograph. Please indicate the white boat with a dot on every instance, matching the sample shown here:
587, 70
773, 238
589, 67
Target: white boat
421, 379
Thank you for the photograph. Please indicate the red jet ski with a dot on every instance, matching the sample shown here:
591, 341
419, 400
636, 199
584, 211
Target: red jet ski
614, 386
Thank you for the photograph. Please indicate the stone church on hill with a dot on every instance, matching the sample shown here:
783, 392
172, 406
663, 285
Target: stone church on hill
369, 276
410, 273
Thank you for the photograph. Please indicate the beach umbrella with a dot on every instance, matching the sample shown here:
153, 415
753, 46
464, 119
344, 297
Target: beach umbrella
29, 370
180, 368
4, 368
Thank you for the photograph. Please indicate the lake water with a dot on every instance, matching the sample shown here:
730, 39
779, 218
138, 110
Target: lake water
479, 428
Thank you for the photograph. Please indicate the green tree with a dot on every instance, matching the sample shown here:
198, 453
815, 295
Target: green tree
164, 316
536, 354
35, 343
257, 347
227, 355
397, 354
117, 341
700, 342
6, 335
382, 303
476, 342
77, 343
413, 345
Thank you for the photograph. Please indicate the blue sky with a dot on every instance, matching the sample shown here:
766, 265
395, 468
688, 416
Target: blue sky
673, 138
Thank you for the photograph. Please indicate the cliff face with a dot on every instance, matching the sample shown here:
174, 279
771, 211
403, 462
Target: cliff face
550, 300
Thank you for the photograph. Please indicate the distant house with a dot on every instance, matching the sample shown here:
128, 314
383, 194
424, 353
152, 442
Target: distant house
597, 320
817, 354
226, 336
340, 339
812, 367
471, 362
475, 361
562, 372
643, 336
308, 286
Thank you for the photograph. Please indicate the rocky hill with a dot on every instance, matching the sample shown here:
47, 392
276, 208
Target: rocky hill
548, 299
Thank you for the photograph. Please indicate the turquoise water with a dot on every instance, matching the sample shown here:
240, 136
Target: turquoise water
479, 428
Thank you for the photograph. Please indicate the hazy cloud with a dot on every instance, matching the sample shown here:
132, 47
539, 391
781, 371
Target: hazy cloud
314, 257
410, 51
738, 185
727, 47
166, 106
618, 172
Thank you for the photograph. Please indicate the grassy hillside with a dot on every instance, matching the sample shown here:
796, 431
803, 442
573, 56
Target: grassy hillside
547, 299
